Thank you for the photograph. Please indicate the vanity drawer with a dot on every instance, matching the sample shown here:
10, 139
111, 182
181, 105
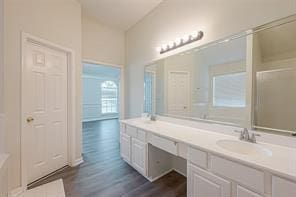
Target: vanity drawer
198, 157
282, 187
131, 131
141, 135
249, 177
164, 144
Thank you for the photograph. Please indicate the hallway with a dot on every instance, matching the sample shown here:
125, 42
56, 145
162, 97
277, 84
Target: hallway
105, 174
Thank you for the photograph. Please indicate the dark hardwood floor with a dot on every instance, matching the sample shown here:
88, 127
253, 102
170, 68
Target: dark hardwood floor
105, 174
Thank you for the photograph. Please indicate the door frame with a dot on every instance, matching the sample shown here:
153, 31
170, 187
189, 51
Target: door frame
71, 104
121, 83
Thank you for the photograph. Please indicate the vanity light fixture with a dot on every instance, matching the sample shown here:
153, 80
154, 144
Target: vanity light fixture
179, 42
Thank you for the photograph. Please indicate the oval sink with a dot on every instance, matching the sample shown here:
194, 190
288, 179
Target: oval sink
244, 148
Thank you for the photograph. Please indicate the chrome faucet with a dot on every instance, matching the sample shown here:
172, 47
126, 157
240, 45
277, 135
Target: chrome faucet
151, 116
245, 136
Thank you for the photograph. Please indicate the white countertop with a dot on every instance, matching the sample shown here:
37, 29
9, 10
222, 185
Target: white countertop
282, 161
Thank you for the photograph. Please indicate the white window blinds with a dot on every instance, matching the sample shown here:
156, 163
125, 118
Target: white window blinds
229, 90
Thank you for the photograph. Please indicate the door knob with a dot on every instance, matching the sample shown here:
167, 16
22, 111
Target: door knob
30, 119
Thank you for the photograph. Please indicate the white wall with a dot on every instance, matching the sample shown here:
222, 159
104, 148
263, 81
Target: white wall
2, 134
58, 21
1, 55
175, 18
92, 97
101, 43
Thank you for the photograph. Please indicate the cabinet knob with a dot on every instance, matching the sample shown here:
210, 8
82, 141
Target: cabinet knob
30, 119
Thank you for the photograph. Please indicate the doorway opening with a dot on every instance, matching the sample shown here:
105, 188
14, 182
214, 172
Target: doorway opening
101, 98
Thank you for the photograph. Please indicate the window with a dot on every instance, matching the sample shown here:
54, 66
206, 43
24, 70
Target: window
229, 90
109, 97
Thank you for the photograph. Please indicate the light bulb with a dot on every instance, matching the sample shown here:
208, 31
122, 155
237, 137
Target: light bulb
164, 47
185, 38
171, 44
158, 49
194, 35
178, 41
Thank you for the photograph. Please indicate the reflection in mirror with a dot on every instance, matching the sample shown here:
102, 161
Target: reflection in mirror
149, 98
208, 84
274, 60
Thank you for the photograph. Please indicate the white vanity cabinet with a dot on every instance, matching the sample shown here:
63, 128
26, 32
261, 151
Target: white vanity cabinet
164, 144
201, 183
133, 147
282, 187
125, 147
139, 153
210, 175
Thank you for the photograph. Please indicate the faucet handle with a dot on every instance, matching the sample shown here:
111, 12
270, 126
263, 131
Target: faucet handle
246, 134
241, 136
253, 137
153, 117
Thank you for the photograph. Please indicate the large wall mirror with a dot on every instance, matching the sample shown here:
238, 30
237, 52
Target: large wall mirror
274, 63
247, 80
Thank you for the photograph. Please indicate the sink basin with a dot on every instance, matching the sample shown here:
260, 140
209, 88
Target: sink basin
244, 148
148, 122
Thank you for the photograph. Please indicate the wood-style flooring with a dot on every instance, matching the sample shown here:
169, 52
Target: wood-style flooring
105, 174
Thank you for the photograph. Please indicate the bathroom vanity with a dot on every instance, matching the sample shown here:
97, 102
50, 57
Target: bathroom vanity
244, 81
218, 165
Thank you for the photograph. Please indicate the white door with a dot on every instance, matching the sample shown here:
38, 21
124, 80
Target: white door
203, 184
139, 155
178, 93
125, 147
44, 101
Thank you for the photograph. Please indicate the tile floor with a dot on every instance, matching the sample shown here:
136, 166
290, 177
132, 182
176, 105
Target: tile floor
52, 189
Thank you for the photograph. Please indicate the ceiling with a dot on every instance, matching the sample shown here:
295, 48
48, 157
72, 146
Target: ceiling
119, 14
101, 71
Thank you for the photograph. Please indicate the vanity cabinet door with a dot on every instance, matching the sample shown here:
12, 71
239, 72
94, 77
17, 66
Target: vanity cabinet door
139, 150
243, 192
204, 184
125, 147
283, 188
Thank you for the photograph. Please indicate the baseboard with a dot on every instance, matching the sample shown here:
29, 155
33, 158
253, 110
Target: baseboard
98, 119
17, 191
77, 162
